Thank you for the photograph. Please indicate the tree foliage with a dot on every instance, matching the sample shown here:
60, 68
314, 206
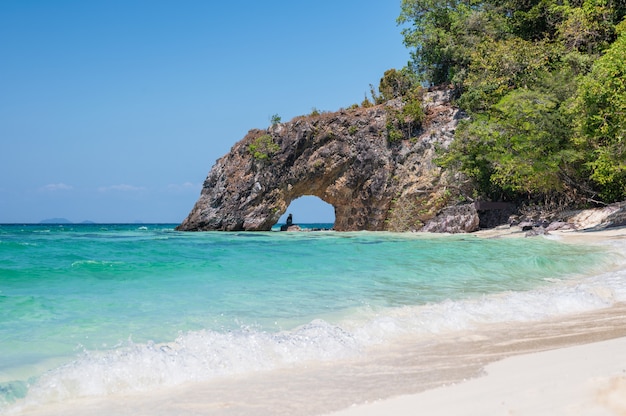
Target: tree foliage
600, 109
395, 84
518, 147
543, 83
443, 33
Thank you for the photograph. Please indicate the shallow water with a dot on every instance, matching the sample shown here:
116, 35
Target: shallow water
98, 311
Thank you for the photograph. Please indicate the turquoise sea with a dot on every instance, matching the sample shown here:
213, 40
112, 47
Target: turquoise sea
90, 311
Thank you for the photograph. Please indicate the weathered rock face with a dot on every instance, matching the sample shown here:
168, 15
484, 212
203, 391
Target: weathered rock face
613, 215
454, 219
344, 158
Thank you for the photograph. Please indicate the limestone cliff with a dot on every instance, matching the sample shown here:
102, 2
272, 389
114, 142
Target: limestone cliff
346, 158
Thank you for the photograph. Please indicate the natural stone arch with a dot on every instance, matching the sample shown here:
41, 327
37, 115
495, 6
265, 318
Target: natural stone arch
351, 173
343, 158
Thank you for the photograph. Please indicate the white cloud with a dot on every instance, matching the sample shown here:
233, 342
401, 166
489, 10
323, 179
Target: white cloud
53, 187
121, 188
183, 187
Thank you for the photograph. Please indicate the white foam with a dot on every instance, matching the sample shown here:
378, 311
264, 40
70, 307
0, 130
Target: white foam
194, 356
559, 299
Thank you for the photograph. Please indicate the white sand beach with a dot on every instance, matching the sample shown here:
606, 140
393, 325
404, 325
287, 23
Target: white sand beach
587, 379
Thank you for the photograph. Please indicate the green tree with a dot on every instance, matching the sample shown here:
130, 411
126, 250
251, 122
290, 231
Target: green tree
499, 67
600, 106
530, 149
395, 84
403, 85
443, 33
531, 20
275, 119
588, 28
518, 148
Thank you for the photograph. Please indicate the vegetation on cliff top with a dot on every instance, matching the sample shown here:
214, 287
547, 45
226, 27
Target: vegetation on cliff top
543, 83
263, 147
403, 85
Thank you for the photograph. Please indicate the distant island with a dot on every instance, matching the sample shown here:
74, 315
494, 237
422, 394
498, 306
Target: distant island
55, 221
66, 221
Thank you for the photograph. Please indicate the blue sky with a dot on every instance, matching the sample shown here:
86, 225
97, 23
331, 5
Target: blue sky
114, 111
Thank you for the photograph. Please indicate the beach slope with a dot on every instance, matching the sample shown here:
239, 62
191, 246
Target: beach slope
586, 380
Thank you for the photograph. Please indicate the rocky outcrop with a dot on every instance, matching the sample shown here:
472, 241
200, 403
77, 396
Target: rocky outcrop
348, 159
613, 215
534, 221
455, 219
467, 218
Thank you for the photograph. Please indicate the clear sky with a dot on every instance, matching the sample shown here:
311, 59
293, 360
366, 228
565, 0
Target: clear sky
115, 111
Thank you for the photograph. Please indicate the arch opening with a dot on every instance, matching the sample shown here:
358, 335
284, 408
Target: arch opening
309, 212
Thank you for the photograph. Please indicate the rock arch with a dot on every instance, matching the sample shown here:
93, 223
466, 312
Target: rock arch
343, 158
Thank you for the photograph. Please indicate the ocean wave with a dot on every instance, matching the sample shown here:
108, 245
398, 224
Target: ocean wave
18, 244
98, 264
205, 355
193, 356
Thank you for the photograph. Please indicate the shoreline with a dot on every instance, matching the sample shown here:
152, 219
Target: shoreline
585, 379
570, 366
581, 236
572, 369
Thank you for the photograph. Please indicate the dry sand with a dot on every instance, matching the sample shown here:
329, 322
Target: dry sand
544, 375
585, 380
